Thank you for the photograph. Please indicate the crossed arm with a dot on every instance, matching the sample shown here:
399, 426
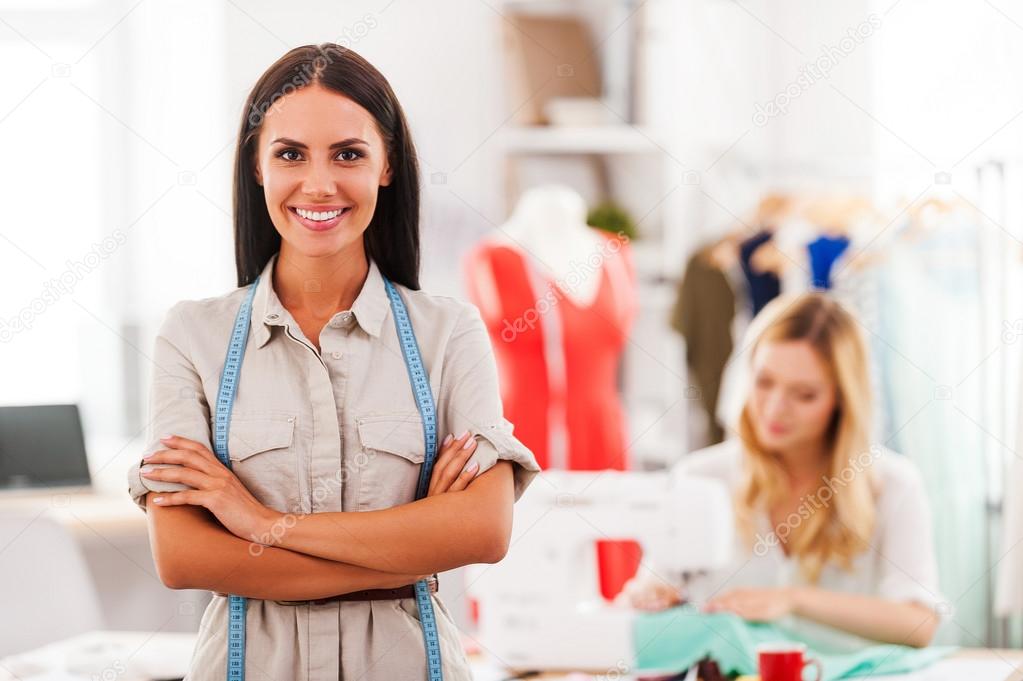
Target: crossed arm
204, 538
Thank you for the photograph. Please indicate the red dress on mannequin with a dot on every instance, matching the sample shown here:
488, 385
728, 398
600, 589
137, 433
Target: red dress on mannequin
558, 359
558, 362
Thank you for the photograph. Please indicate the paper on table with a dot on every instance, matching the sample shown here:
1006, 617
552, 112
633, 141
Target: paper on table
959, 668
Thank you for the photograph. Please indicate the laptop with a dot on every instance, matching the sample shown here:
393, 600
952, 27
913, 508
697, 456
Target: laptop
42, 447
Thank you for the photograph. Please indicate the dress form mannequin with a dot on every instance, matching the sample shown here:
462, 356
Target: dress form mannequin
558, 298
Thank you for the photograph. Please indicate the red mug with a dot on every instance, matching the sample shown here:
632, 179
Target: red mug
785, 662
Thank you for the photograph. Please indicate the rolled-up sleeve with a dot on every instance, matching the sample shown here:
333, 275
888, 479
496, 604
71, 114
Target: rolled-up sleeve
909, 569
470, 399
177, 403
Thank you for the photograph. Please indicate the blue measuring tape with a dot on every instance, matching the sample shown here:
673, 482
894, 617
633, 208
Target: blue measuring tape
222, 423
427, 410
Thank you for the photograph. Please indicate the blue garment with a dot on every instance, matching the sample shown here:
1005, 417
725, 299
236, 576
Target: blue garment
763, 286
824, 251
675, 639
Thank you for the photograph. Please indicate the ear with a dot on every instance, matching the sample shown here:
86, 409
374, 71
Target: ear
257, 173
386, 176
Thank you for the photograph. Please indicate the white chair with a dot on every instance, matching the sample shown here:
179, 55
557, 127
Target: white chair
46, 590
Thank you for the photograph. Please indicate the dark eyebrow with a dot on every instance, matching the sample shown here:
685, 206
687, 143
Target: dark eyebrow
336, 145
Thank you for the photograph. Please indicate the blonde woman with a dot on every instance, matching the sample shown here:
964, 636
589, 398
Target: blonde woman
834, 533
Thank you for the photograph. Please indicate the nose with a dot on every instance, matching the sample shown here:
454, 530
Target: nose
319, 180
775, 405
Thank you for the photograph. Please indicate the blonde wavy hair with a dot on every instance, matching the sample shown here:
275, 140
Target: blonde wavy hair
838, 530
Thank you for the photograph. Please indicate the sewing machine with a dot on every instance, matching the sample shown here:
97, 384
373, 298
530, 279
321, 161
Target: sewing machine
541, 607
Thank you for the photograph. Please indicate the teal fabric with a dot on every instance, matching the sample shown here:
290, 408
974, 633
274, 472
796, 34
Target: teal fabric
677, 638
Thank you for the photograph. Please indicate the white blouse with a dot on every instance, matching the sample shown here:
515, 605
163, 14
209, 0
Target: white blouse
899, 565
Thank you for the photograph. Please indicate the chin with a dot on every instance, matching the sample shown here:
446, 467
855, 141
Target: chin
312, 245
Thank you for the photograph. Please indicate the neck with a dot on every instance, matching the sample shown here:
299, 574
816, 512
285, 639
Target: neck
319, 286
804, 462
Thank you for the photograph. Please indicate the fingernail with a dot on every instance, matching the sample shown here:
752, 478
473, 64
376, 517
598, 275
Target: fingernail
448, 440
166, 437
473, 467
466, 432
469, 443
157, 500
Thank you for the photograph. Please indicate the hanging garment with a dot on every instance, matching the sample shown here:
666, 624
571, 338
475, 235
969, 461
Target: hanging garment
763, 286
703, 313
824, 251
929, 343
559, 362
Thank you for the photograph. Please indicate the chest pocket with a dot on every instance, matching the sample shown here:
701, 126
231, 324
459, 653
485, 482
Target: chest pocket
264, 456
393, 450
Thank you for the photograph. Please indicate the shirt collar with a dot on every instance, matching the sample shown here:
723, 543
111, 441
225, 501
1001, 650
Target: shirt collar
370, 307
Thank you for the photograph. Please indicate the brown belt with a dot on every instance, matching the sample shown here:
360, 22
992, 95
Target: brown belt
407, 591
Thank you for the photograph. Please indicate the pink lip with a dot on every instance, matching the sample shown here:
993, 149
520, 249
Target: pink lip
318, 225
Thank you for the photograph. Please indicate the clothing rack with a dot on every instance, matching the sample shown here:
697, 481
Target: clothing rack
1002, 404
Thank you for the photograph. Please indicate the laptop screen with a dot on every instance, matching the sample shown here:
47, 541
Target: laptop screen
42, 446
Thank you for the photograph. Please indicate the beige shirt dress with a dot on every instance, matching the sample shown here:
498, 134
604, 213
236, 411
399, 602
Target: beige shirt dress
328, 431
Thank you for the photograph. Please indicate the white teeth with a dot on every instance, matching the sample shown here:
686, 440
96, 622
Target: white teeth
317, 215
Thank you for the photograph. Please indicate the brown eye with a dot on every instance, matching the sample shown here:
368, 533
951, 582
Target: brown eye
284, 154
357, 155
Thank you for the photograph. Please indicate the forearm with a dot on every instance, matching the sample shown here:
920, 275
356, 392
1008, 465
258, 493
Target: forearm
874, 618
193, 551
430, 535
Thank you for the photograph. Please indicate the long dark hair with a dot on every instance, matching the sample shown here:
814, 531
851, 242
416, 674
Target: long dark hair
392, 238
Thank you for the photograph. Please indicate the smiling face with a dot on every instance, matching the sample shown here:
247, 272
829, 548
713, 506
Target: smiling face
793, 396
321, 161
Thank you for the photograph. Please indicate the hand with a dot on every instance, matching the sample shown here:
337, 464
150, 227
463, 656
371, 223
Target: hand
450, 473
648, 593
756, 605
215, 487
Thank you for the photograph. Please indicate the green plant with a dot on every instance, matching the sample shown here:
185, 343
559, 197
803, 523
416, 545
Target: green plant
611, 217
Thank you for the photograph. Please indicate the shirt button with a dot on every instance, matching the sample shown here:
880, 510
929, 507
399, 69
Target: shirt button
272, 316
346, 316
336, 354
